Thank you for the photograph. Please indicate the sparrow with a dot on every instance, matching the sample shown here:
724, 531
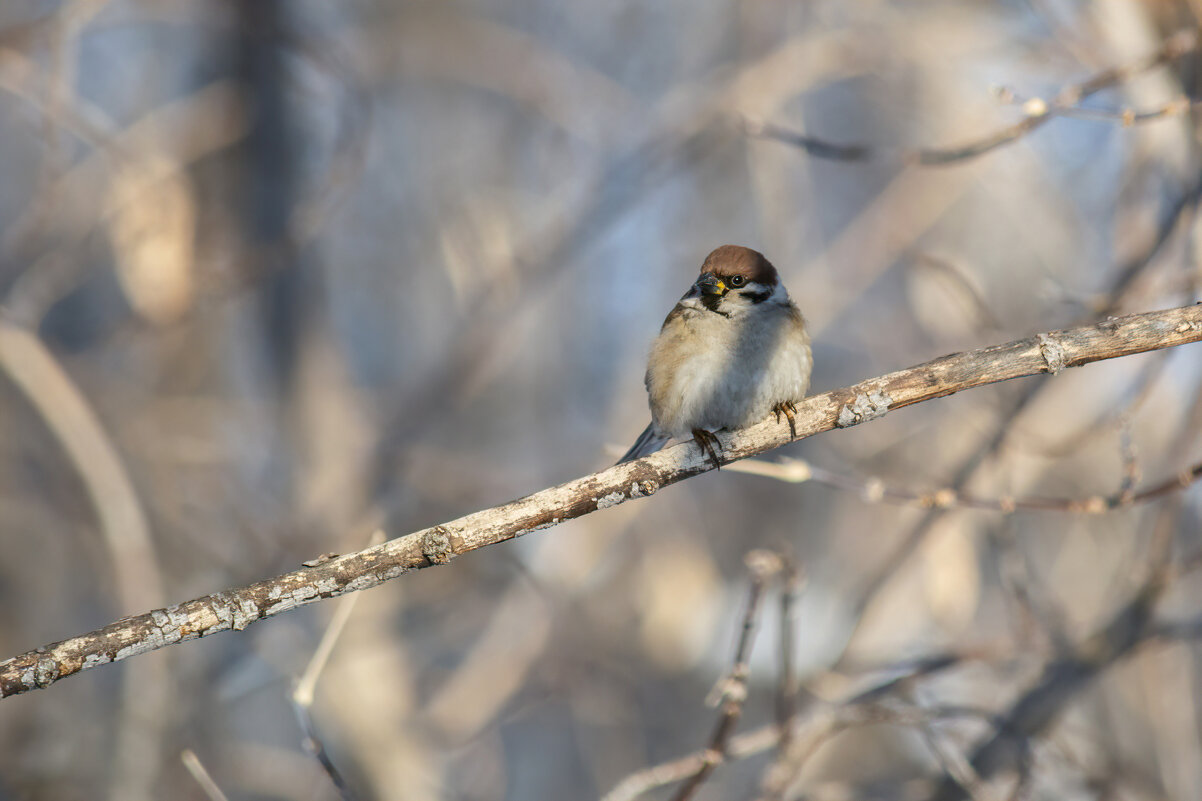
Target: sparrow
732, 350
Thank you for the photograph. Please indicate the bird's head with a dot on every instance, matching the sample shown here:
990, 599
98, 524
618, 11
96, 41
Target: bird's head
736, 279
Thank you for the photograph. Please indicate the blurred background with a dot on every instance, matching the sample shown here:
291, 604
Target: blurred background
276, 275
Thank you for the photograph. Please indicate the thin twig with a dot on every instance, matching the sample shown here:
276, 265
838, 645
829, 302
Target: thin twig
1007, 746
955, 764
810, 729
1126, 494
202, 777
1036, 112
874, 490
306, 685
124, 530
731, 691
302, 693
788, 685
314, 745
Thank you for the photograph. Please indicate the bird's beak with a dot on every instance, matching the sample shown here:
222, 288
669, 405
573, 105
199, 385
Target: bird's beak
711, 285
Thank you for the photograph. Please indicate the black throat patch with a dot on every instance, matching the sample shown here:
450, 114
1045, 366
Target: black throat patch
711, 302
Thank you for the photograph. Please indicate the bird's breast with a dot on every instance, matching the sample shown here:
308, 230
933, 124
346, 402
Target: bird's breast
709, 371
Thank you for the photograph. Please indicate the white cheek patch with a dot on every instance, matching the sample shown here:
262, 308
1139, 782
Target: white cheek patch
746, 297
755, 293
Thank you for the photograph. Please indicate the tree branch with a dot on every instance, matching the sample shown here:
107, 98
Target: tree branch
238, 608
1037, 111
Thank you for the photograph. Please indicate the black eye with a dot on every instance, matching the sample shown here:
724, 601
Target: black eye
737, 281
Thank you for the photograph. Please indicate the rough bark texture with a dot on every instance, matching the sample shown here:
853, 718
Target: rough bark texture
238, 608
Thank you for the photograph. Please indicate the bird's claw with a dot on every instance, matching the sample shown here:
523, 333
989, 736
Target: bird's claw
789, 410
708, 442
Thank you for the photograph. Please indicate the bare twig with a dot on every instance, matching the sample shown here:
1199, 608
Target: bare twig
124, 530
1008, 745
874, 490
302, 693
954, 763
195, 767
1036, 112
868, 400
809, 730
643, 781
1171, 220
316, 747
731, 691
1126, 493
788, 685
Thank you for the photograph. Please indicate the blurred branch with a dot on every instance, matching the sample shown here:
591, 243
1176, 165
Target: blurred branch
788, 684
306, 686
643, 781
494, 668
821, 722
1135, 394
1009, 744
195, 767
49, 390
196, 126
868, 400
731, 691
124, 530
874, 490
1036, 112
1176, 218
1007, 747
314, 745
815, 725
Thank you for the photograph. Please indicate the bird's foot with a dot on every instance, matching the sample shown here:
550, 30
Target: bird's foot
708, 442
789, 410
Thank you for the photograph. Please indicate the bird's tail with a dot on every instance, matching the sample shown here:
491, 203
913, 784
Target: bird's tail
649, 441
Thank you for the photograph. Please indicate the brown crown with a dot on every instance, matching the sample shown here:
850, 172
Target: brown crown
731, 260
